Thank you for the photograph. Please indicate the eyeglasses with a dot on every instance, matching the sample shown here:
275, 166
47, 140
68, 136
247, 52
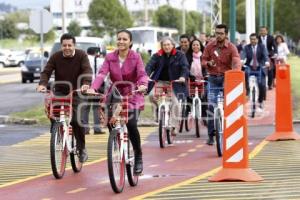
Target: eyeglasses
219, 33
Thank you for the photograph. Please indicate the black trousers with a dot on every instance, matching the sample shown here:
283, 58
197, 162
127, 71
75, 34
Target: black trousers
271, 73
77, 121
133, 132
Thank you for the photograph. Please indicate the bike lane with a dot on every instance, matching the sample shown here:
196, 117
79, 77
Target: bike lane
187, 158
162, 167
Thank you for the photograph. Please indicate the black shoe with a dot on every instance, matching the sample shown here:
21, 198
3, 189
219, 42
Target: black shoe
99, 132
270, 88
210, 140
138, 164
87, 131
83, 156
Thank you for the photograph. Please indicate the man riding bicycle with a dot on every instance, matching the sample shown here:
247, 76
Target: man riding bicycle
169, 64
255, 57
219, 56
72, 67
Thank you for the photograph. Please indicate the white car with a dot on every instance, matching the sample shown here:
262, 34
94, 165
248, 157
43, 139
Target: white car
16, 58
11, 58
82, 43
4, 54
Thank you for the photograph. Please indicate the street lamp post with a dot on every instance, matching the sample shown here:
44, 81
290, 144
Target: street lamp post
183, 16
272, 17
232, 20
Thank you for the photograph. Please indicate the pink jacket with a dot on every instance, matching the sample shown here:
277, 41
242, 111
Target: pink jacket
132, 71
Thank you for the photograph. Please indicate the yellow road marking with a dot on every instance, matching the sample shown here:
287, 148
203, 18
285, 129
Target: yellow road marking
192, 150
76, 190
171, 160
103, 182
44, 174
199, 145
257, 149
152, 166
182, 155
40, 141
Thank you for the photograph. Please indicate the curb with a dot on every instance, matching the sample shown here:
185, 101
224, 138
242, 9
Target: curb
20, 121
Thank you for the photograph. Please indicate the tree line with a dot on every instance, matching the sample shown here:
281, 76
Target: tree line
108, 16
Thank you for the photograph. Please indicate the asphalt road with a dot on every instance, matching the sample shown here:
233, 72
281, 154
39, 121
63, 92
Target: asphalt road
15, 97
13, 134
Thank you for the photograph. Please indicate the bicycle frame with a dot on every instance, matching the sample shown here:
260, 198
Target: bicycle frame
123, 134
220, 106
196, 97
165, 101
64, 110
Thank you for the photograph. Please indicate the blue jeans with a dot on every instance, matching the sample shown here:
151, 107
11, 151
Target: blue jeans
215, 84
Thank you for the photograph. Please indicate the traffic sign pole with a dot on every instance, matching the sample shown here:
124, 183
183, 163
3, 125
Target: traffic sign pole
40, 21
42, 40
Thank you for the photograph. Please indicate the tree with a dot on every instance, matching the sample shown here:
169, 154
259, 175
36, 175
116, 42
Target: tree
240, 15
286, 18
193, 22
108, 16
74, 28
8, 29
166, 16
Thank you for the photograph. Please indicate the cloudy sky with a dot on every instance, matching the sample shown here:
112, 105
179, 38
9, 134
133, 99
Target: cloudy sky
22, 4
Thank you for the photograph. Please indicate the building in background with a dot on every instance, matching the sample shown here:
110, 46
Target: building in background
77, 10
74, 10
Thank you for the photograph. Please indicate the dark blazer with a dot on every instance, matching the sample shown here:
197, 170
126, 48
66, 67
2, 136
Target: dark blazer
261, 54
178, 68
271, 45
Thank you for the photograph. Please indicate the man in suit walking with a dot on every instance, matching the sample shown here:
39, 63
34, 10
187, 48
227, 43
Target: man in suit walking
256, 58
270, 44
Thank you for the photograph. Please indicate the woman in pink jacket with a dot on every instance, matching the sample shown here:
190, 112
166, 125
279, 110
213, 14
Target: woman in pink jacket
127, 71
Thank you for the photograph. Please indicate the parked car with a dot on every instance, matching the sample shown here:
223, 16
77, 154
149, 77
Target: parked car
4, 54
16, 58
11, 58
31, 69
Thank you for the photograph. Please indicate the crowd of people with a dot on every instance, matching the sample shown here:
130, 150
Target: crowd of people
196, 58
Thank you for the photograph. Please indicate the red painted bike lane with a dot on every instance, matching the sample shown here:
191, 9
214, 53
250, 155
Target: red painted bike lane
187, 158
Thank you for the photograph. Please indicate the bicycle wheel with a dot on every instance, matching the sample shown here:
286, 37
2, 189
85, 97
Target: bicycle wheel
58, 150
115, 162
132, 179
253, 106
162, 129
197, 118
219, 132
74, 156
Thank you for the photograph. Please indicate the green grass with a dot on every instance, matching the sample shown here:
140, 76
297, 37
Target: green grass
36, 112
294, 62
25, 44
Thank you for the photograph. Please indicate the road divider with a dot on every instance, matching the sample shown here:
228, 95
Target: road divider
283, 108
235, 145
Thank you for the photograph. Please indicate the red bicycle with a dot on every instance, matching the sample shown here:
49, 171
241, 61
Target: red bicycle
62, 142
